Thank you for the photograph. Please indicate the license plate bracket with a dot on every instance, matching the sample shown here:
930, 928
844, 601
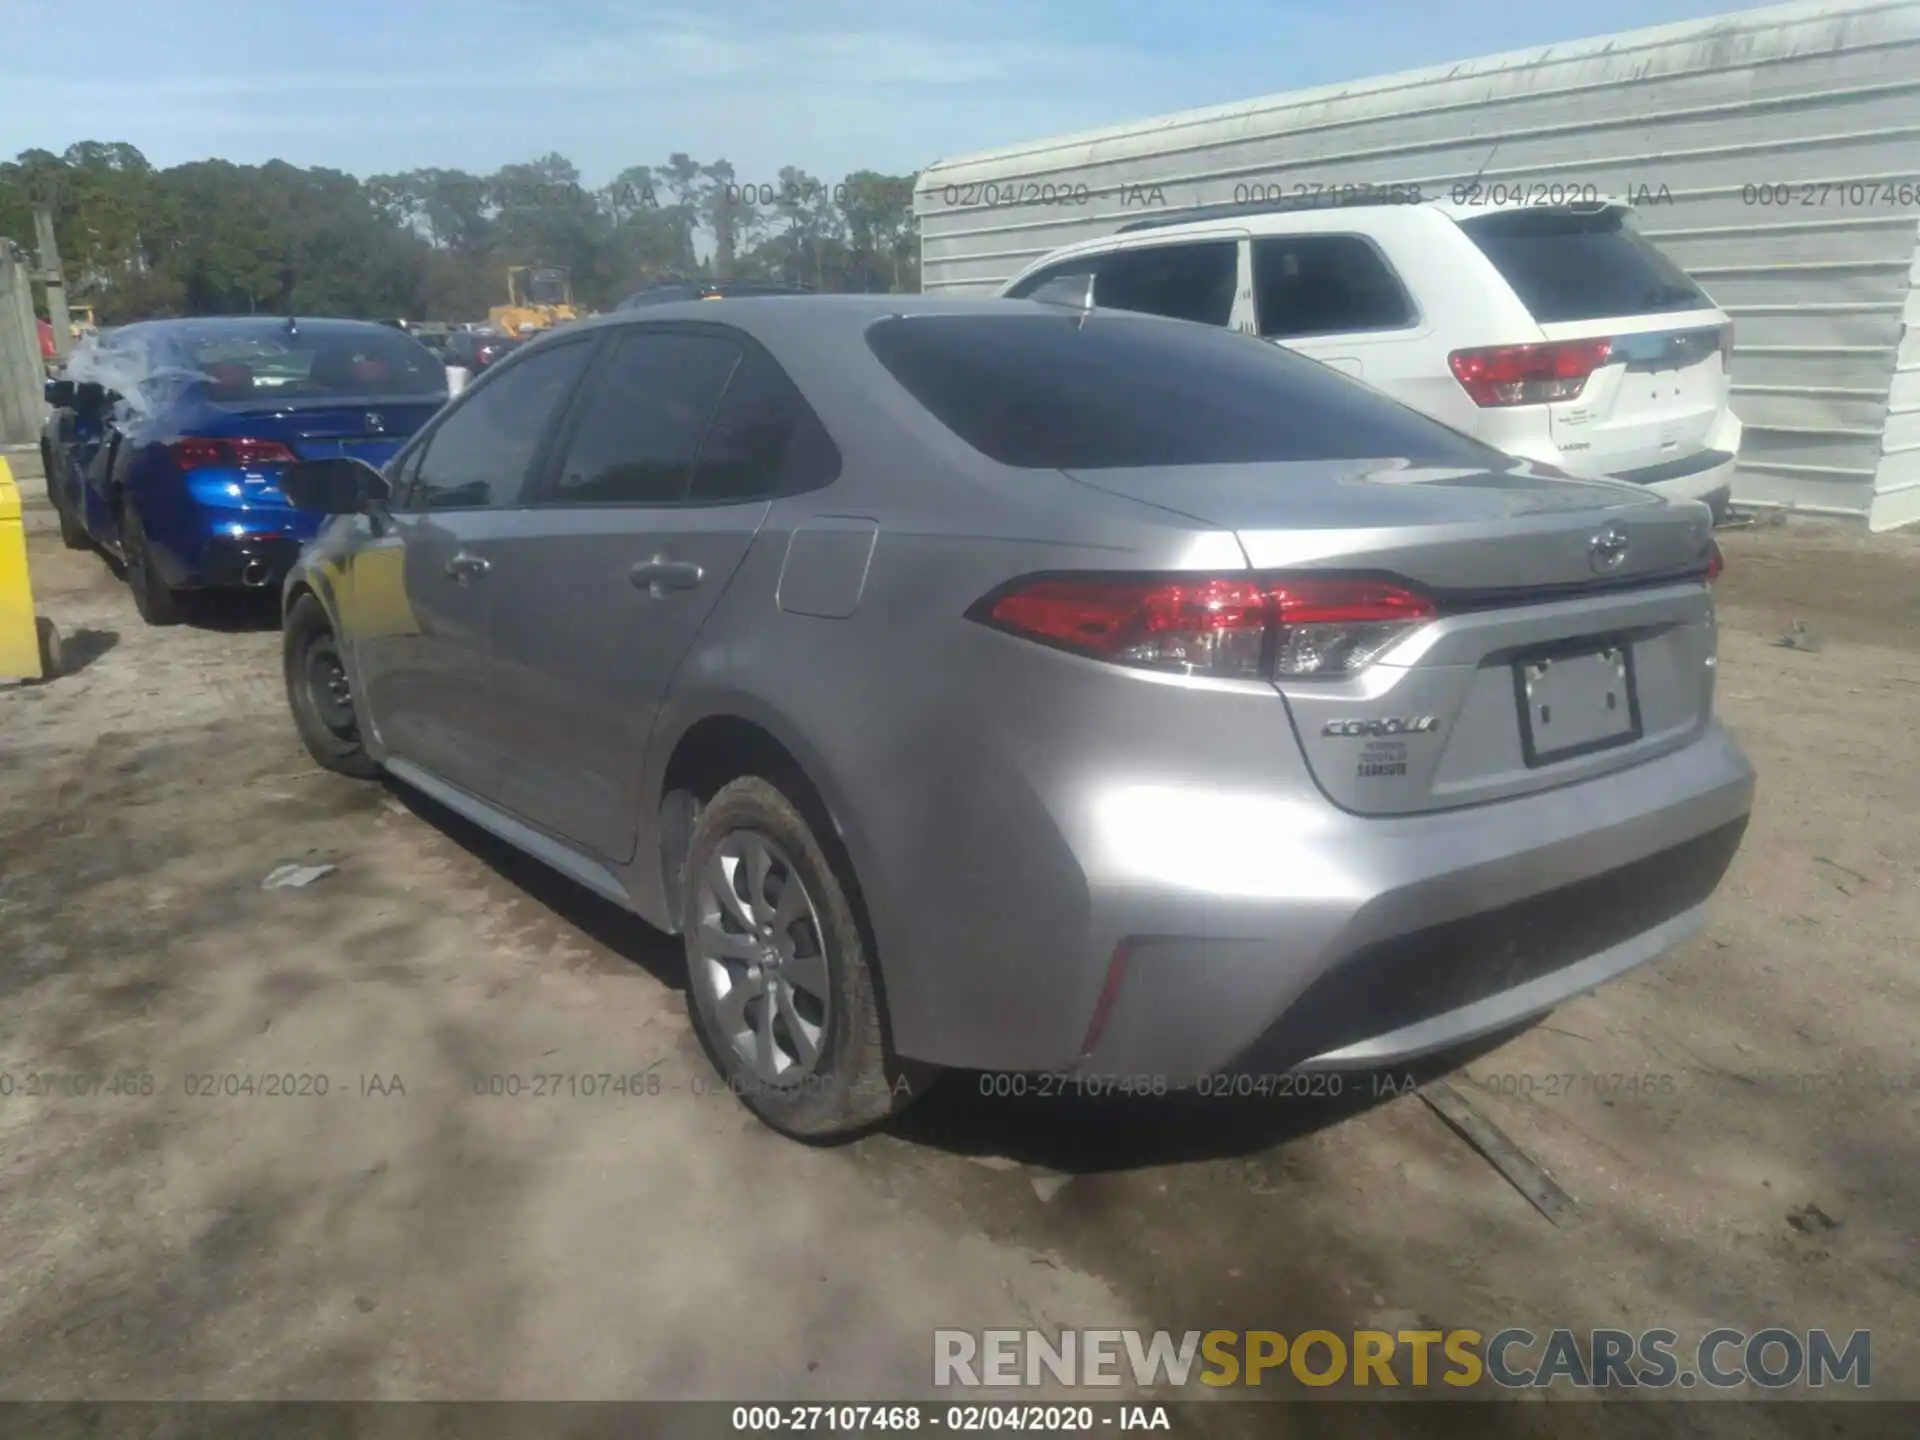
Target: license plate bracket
1575, 701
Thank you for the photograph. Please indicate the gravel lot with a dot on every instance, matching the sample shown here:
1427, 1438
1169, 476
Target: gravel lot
402, 1236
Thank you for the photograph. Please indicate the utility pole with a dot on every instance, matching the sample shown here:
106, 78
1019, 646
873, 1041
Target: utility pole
23, 375
56, 284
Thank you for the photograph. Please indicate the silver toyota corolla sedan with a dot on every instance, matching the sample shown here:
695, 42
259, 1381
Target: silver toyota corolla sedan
984, 684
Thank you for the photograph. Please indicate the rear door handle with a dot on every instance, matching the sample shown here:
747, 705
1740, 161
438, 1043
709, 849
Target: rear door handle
464, 567
660, 575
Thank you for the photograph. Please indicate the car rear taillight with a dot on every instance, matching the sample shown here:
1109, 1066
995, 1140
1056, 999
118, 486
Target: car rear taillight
200, 452
1726, 345
1528, 374
1716, 562
1243, 627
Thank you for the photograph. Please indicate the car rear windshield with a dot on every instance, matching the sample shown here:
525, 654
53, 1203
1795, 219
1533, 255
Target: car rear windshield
1111, 390
314, 362
1574, 265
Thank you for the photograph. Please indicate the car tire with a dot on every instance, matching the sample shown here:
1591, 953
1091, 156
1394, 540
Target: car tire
318, 692
157, 604
800, 965
72, 533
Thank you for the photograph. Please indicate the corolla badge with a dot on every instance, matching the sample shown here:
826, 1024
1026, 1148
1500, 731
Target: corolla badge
1608, 549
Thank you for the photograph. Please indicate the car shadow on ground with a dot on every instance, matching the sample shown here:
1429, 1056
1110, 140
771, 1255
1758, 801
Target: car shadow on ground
83, 647
1085, 1127
619, 931
233, 611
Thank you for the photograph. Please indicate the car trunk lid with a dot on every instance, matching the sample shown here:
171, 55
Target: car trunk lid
1574, 633
1657, 400
371, 430
1584, 273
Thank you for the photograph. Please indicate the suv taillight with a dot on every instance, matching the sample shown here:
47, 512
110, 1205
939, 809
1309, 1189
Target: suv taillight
1726, 345
200, 452
1528, 374
1235, 627
1716, 562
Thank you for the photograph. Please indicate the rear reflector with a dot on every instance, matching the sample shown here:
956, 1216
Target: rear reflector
1235, 627
1716, 562
200, 452
1501, 375
1104, 1002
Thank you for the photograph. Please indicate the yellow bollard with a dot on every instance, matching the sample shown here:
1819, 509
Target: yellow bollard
29, 646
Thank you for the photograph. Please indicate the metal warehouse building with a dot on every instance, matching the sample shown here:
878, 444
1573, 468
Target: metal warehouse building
1773, 153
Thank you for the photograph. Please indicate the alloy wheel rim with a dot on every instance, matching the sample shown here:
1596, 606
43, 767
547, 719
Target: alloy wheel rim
760, 959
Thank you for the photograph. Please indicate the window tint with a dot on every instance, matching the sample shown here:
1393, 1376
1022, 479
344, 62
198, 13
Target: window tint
1567, 265
1183, 282
1325, 285
1061, 285
248, 361
764, 439
478, 456
1045, 391
644, 420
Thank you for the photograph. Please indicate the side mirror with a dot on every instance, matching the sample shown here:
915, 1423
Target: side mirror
342, 486
62, 394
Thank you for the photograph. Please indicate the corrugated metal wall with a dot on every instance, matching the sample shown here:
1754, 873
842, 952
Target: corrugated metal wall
1774, 153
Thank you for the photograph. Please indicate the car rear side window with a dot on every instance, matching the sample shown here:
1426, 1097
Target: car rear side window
1581, 265
479, 455
1325, 285
764, 439
1196, 281
640, 430
1066, 284
1108, 391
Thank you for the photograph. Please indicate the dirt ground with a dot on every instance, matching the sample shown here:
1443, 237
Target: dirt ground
402, 1236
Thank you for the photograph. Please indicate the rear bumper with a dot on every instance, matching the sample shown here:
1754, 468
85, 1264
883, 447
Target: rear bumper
200, 549
1187, 928
248, 562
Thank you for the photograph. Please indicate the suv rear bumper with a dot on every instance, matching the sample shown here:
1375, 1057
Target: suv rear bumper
1387, 939
1707, 477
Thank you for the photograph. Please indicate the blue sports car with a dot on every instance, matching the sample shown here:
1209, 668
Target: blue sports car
168, 438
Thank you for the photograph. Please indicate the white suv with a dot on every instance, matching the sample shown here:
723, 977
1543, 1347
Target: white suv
1552, 332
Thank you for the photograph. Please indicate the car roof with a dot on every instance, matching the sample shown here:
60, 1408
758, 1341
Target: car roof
196, 327
1285, 219
794, 316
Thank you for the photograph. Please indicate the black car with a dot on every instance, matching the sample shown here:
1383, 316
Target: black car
475, 350
667, 292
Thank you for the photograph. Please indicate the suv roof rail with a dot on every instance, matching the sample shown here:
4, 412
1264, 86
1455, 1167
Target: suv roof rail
1284, 205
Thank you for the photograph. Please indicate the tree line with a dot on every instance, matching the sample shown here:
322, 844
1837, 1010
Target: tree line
211, 237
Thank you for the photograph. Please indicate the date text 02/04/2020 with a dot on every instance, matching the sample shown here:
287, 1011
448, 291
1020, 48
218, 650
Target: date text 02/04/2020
1296, 1085
845, 1419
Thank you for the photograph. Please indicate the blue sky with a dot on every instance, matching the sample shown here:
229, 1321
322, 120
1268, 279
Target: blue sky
830, 85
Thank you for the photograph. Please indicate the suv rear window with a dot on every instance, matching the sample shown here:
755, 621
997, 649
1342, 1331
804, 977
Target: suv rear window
1108, 391
1575, 265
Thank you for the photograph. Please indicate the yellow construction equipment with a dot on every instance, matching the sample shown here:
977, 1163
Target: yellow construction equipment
538, 298
29, 643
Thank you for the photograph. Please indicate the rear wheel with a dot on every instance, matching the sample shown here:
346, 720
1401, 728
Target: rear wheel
779, 978
157, 604
320, 693
72, 533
